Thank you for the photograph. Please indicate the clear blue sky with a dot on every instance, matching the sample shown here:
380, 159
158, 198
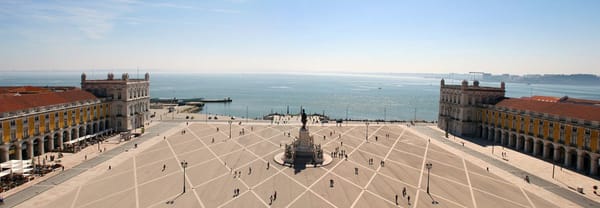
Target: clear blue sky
497, 36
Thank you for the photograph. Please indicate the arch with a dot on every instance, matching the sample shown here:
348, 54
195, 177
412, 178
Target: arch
549, 151
512, 141
521, 143
537, 149
89, 129
81, 131
101, 125
66, 135
58, 138
25, 150
529, 145
571, 158
12, 152
561, 152
586, 162
74, 133
36, 145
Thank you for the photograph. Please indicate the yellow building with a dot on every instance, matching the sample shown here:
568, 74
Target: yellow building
35, 120
562, 130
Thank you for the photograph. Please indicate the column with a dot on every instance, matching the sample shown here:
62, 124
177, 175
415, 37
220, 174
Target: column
594, 166
51, 143
511, 141
484, 133
536, 148
60, 141
556, 153
527, 145
4, 156
41, 146
30, 149
490, 134
503, 138
18, 151
496, 136
579, 160
567, 157
546, 152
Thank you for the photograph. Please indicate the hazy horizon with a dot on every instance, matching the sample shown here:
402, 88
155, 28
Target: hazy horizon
247, 36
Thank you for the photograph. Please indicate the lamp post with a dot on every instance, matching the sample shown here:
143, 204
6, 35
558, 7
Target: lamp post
367, 133
428, 165
184, 165
229, 128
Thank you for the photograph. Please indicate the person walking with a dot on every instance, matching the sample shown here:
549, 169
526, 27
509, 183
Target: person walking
164, 167
396, 199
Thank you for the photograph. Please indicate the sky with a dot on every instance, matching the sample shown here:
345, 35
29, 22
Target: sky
401, 36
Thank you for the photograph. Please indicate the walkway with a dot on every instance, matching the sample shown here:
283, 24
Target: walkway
547, 185
34, 190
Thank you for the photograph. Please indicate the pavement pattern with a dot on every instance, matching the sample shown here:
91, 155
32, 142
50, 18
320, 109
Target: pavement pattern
154, 177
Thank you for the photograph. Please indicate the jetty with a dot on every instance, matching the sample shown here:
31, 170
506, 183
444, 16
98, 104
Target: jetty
189, 101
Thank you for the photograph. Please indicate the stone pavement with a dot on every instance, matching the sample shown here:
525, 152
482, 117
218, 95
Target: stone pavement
520, 165
82, 167
152, 176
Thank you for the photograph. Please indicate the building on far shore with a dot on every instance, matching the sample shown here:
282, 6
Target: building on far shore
35, 120
128, 98
562, 130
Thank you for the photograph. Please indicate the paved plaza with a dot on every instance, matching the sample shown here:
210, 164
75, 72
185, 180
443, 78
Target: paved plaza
151, 175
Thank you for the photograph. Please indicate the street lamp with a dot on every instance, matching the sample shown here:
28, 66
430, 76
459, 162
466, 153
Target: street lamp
428, 165
229, 128
184, 165
367, 133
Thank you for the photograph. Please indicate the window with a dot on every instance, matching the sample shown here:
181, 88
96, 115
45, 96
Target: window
56, 125
13, 134
119, 96
13, 123
530, 126
551, 129
574, 136
37, 129
586, 139
25, 132
37, 118
47, 127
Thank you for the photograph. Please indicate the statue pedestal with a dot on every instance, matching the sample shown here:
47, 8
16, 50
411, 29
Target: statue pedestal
303, 150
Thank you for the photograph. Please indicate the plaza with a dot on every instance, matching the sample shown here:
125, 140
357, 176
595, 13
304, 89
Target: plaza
151, 175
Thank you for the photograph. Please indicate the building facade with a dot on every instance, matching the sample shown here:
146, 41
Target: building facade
563, 130
35, 120
129, 99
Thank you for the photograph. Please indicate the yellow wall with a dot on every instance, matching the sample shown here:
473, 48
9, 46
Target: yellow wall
61, 119
77, 116
42, 123
6, 131
85, 117
568, 130
51, 122
19, 128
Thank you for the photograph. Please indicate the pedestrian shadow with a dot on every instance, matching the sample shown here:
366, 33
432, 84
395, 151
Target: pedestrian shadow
433, 201
172, 201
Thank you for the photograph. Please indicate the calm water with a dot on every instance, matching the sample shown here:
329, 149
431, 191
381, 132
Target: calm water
360, 96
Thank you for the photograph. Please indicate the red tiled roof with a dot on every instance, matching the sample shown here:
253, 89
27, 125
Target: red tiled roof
10, 102
543, 98
588, 112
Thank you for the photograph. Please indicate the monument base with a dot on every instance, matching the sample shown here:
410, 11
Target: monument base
280, 159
